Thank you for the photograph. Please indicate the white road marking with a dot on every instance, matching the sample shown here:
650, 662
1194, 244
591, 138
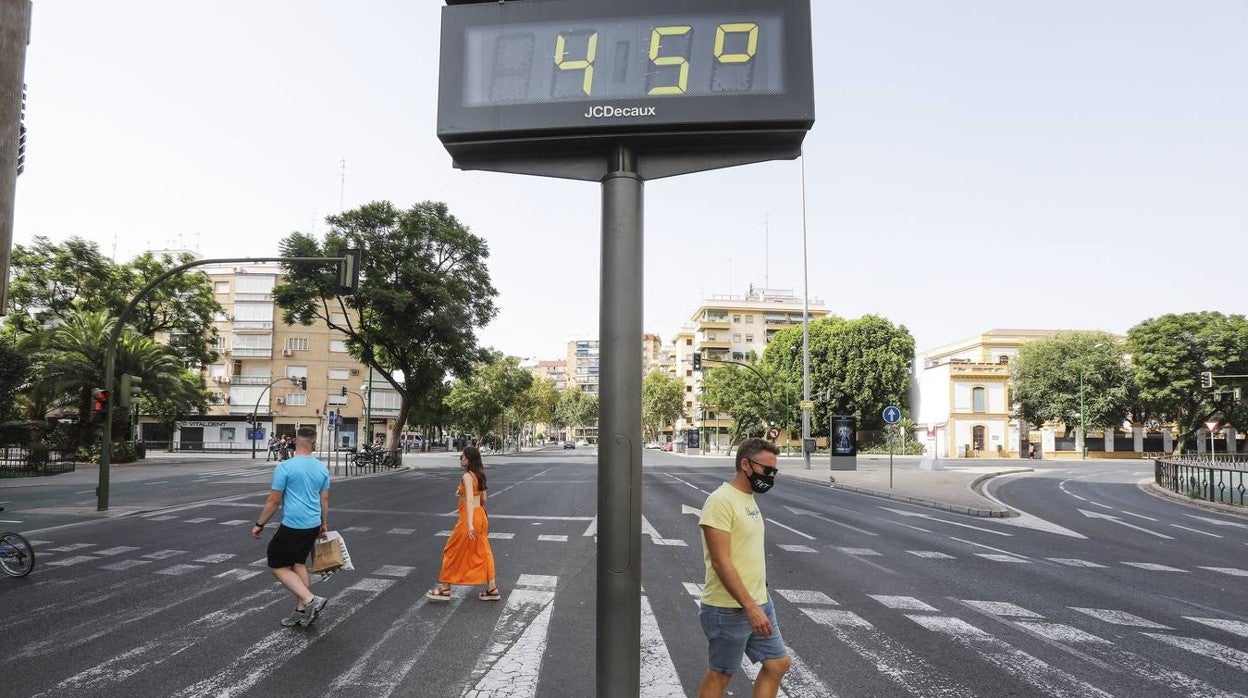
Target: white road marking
1001, 557
1206, 648
215, 558
648, 529
384, 665
265, 656
1025, 520
1197, 530
538, 581
931, 555
179, 570
1001, 608
72, 560
1115, 519
686, 509
821, 517
658, 674
1045, 679
553, 538
802, 596
402, 531
1233, 571
124, 565
1140, 516
1235, 627
858, 551
1153, 567
891, 659
357, 529
70, 548
167, 517
903, 603
236, 522
164, 554
807, 536
511, 665
798, 548
1103, 506
202, 519
500, 536
393, 571
443, 534
237, 574
1217, 522
592, 530
929, 517
1074, 562
1116, 617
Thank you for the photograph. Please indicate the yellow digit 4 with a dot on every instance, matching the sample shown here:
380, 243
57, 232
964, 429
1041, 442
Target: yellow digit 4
723, 30
591, 50
656, 39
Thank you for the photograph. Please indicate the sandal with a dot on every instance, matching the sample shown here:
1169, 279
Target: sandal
490, 594
439, 593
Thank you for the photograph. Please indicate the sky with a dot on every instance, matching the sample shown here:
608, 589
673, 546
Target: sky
974, 164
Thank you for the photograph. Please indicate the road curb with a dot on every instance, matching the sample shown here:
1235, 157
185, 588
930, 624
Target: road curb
931, 503
1216, 507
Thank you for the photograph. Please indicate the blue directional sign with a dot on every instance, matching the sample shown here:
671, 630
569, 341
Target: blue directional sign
892, 415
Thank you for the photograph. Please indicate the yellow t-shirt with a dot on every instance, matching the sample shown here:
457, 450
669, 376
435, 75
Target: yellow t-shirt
729, 509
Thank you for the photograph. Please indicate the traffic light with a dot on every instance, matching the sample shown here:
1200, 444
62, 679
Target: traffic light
349, 273
1206, 379
344, 391
99, 405
130, 390
697, 361
303, 382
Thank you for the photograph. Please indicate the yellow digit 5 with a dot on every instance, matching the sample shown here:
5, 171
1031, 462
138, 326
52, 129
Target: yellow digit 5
656, 39
591, 50
723, 30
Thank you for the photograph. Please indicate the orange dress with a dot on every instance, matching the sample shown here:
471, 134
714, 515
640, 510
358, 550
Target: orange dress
464, 560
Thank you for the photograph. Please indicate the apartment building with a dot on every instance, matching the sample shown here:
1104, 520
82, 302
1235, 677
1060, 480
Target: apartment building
262, 367
731, 327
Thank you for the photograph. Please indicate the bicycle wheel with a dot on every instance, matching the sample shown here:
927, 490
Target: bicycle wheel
16, 556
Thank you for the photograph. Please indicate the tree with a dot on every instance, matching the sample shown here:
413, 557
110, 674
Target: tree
741, 394
1168, 354
1047, 375
858, 366
50, 281
181, 307
175, 398
424, 287
490, 396
539, 401
662, 402
14, 375
576, 408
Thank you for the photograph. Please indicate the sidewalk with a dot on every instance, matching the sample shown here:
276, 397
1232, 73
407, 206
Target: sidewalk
953, 488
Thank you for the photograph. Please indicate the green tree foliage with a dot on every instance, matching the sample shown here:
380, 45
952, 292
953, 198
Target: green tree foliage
424, 287
743, 395
662, 402
539, 401
857, 367
1168, 354
52, 280
14, 375
576, 408
1046, 380
490, 400
181, 308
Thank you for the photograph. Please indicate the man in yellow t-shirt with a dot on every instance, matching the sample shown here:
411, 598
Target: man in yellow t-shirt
736, 612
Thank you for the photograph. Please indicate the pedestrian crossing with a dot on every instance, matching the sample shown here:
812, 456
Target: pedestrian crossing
883, 642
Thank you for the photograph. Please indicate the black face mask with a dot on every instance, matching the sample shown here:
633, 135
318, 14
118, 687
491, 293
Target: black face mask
760, 483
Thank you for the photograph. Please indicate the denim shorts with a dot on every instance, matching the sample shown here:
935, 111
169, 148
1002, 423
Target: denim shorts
728, 636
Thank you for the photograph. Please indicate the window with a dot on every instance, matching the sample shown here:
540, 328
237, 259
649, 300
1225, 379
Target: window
978, 400
220, 316
296, 398
335, 399
749, 319
297, 343
688, 404
736, 338
736, 319
711, 337
254, 283
977, 436
217, 371
337, 374
688, 388
749, 338
338, 319
338, 346
688, 342
689, 373
227, 433
296, 371
218, 343
221, 287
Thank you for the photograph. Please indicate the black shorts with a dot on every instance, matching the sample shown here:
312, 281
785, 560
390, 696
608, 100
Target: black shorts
291, 546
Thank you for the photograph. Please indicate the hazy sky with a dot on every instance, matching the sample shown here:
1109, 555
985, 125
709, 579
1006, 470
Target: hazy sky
974, 164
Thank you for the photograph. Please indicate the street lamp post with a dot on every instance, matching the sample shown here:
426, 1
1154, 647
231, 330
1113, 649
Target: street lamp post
255, 417
1083, 430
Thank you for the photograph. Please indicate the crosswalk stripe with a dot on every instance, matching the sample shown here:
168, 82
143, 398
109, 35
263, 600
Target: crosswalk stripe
202, 519
538, 581
931, 555
235, 522
902, 603
117, 550
1234, 627
164, 554
1074, 562
798, 548
1103, 650
658, 673
995, 557
492, 535
858, 551
392, 571
179, 570
70, 548
384, 665
237, 574
1207, 648
893, 660
1001, 608
263, 657
1153, 567
553, 538
1233, 571
510, 666
1115, 617
218, 557
803, 596
1039, 674
402, 531
125, 565
72, 560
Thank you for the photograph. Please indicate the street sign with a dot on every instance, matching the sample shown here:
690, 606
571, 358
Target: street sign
892, 415
333, 418
808, 404
772, 433
1211, 425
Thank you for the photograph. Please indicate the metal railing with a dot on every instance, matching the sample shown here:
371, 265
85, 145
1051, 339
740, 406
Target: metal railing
19, 461
1222, 479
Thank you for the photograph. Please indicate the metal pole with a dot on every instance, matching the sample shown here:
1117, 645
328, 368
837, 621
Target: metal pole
891, 438
618, 622
14, 36
805, 328
1083, 429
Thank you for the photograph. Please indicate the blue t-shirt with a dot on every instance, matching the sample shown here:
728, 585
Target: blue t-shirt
300, 480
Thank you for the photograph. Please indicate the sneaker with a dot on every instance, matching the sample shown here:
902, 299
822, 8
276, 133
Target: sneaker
295, 618
314, 609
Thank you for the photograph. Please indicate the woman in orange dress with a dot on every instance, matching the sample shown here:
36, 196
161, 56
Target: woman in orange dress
467, 558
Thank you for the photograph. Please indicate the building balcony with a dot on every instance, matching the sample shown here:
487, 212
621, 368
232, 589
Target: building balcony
250, 380
252, 297
978, 370
253, 325
250, 352
714, 325
709, 345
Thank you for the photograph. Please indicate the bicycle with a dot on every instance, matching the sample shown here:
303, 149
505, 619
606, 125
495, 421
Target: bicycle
17, 558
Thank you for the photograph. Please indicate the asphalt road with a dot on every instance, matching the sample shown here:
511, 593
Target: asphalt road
1143, 597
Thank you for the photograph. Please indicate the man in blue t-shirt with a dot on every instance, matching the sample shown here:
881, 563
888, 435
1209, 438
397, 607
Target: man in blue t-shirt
301, 487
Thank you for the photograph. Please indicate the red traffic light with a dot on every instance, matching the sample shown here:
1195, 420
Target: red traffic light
99, 404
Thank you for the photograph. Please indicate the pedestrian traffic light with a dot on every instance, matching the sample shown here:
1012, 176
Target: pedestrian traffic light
697, 361
130, 390
1206, 379
344, 391
99, 405
303, 382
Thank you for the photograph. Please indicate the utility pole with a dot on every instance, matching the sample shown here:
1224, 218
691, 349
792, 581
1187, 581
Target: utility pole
14, 36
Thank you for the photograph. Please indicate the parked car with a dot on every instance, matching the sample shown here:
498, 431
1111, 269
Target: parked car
582, 442
653, 445
667, 446
569, 444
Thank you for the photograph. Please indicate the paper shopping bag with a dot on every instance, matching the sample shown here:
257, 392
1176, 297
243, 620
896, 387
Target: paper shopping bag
327, 553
